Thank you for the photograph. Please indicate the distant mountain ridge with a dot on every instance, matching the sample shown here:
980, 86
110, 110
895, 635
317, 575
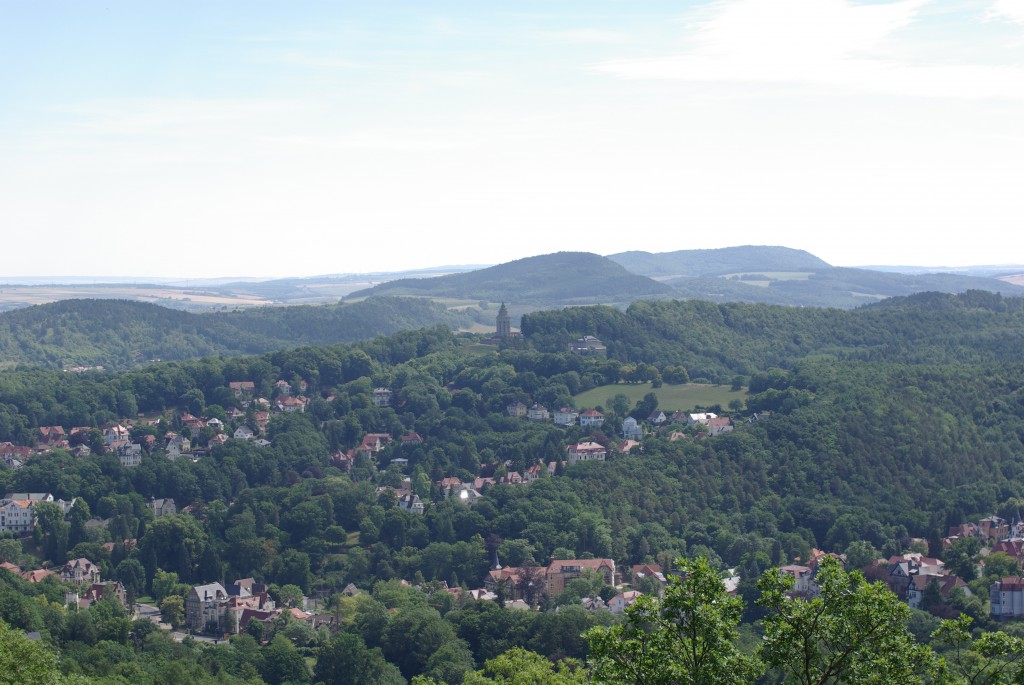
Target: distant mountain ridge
719, 261
781, 275
558, 278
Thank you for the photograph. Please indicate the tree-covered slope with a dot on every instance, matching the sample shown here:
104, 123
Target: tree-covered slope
715, 341
562, 277
119, 334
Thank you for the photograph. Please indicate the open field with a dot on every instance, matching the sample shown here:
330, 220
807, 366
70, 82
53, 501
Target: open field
670, 397
15, 296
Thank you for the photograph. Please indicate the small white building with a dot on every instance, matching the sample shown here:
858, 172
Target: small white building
631, 429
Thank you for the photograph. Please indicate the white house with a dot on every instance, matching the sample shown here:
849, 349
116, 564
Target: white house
586, 451
631, 429
566, 416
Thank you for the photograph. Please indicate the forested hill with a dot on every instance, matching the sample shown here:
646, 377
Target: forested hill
118, 334
715, 340
718, 262
562, 278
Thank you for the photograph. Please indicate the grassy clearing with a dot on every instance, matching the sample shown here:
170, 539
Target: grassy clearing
670, 397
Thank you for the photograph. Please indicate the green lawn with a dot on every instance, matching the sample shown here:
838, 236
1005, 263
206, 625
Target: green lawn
670, 397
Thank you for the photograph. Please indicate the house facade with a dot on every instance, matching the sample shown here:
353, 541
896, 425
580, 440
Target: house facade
1006, 598
203, 607
80, 572
631, 429
585, 451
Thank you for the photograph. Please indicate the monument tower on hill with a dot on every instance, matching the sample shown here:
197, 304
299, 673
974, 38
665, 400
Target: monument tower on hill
504, 323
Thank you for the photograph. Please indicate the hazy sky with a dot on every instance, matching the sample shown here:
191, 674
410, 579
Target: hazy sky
298, 138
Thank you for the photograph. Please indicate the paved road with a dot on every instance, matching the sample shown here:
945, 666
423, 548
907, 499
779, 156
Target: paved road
153, 614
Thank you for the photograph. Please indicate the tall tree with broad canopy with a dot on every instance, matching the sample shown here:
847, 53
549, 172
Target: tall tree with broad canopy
687, 638
852, 632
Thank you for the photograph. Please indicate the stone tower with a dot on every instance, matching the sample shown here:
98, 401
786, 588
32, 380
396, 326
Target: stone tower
504, 323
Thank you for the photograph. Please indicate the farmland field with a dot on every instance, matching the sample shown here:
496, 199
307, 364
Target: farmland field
670, 397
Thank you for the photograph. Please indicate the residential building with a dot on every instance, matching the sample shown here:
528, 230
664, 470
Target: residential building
566, 416
203, 607
16, 513
803, 583
561, 571
719, 425
80, 572
538, 413
381, 397
585, 451
621, 601
242, 388
591, 418
1006, 598
516, 410
243, 433
945, 584
411, 503
631, 429
162, 507
588, 345
129, 453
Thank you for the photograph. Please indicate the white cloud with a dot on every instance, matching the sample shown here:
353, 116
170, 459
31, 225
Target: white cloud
830, 43
1012, 10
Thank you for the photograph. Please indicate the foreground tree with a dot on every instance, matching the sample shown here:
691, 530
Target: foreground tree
519, 666
991, 659
852, 632
687, 638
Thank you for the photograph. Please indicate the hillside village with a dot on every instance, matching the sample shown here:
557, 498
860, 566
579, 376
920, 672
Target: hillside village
213, 609
301, 493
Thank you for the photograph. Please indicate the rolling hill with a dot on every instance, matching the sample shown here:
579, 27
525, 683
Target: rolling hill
780, 275
561, 278
718, 262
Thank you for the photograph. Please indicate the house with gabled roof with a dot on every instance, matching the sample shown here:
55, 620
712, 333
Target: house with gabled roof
945, 583
620, 602
242, 388
243, 433
561, 571
290, 405
516, 409
719, 425
412, 439
538, 412
591, 418
80, 572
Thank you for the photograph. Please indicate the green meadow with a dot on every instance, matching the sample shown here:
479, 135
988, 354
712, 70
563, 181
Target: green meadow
670, 397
